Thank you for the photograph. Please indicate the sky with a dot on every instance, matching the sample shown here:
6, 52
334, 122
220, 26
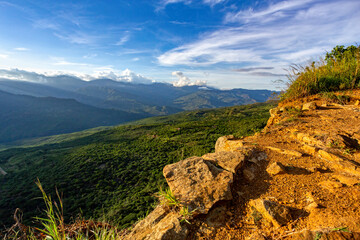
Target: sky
221, 43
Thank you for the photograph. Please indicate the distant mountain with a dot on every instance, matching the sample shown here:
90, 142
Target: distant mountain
24, 116
64, 104
154, 99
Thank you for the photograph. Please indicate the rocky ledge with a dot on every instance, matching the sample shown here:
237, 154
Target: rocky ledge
297, 179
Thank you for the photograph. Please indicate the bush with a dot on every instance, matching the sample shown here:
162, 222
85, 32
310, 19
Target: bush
339, 70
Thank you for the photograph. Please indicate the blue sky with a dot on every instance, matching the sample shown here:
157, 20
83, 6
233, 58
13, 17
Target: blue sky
223, 43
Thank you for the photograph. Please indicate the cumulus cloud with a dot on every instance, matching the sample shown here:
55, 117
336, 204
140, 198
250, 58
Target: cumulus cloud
107, 73
185, 81
279, 34
125, 76
21, 75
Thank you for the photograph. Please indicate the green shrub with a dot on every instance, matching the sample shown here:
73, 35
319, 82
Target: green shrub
340, 70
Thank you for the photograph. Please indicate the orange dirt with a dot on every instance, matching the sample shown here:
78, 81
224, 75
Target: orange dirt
332, 128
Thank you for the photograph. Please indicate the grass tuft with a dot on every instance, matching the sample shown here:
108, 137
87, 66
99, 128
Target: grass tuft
53, 224
167, 198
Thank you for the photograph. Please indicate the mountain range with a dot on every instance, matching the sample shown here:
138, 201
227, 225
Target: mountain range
63, 104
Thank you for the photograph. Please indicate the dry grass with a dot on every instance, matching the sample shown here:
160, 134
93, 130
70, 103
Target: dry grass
338, 71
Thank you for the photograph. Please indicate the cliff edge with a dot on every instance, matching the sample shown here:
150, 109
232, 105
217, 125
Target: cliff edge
297, 179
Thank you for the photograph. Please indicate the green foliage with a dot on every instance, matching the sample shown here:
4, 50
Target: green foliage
113, 174
186, 215
339, 71
24, 116
336, 98
167, 198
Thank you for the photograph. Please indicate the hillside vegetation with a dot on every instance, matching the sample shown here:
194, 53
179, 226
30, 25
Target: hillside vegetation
64, 104
23, 117
339, 70
113, 174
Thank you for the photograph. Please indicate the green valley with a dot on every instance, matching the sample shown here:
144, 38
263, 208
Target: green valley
112, 174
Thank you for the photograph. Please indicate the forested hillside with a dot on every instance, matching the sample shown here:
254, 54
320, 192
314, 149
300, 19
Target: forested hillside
24, 116
113, 174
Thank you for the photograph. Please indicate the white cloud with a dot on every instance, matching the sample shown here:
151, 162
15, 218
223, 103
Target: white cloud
21, 49
106, 72
90, 55
185, 81
272, 12
212, 2
123, 40
282, 33
122, 76
22, 75
45, 24
4, 56
219, 46
78, 37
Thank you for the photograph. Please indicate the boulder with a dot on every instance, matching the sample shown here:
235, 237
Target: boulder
159, 225
230, 161
309, 106
275, 213
311, 206
228, 143
339, 164
330, 185
275, 169
198, 183
309, 149
349, 181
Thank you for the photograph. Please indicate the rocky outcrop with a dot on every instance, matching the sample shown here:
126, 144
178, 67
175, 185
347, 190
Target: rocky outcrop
230, 161
349, 181
198, 183
275, 213
228, 143
275, 169
309, 106
310, 180
160, 224
339, 163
